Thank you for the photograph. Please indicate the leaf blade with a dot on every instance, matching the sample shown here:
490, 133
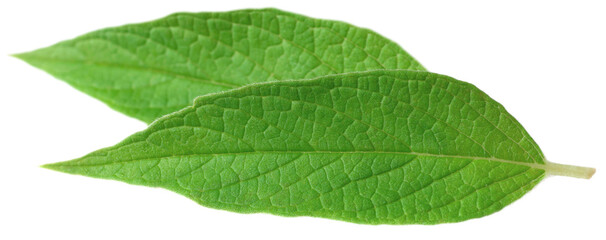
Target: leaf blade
277, 148
372, 211
150, 69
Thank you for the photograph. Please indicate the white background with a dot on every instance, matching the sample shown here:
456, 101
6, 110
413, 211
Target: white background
545, 61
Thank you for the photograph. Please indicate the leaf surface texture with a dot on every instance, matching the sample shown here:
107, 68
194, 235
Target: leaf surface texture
151, 69
376, 147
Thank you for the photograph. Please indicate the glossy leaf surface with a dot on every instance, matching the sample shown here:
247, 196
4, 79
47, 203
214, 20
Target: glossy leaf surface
151, 69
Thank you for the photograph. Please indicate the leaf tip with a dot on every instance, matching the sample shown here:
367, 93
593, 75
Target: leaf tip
23, 56
51, 166
18, 55
59, 167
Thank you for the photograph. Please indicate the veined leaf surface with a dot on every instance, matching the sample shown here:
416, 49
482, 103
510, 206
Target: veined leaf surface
151, 69
377, 147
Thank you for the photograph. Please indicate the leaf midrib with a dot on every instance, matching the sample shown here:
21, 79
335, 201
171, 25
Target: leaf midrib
137, 68
532, 165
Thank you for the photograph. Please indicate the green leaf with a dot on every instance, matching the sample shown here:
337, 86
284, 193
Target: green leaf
377, 147
151, 69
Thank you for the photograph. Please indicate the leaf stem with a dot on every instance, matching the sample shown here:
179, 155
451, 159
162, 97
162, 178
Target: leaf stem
569, 170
